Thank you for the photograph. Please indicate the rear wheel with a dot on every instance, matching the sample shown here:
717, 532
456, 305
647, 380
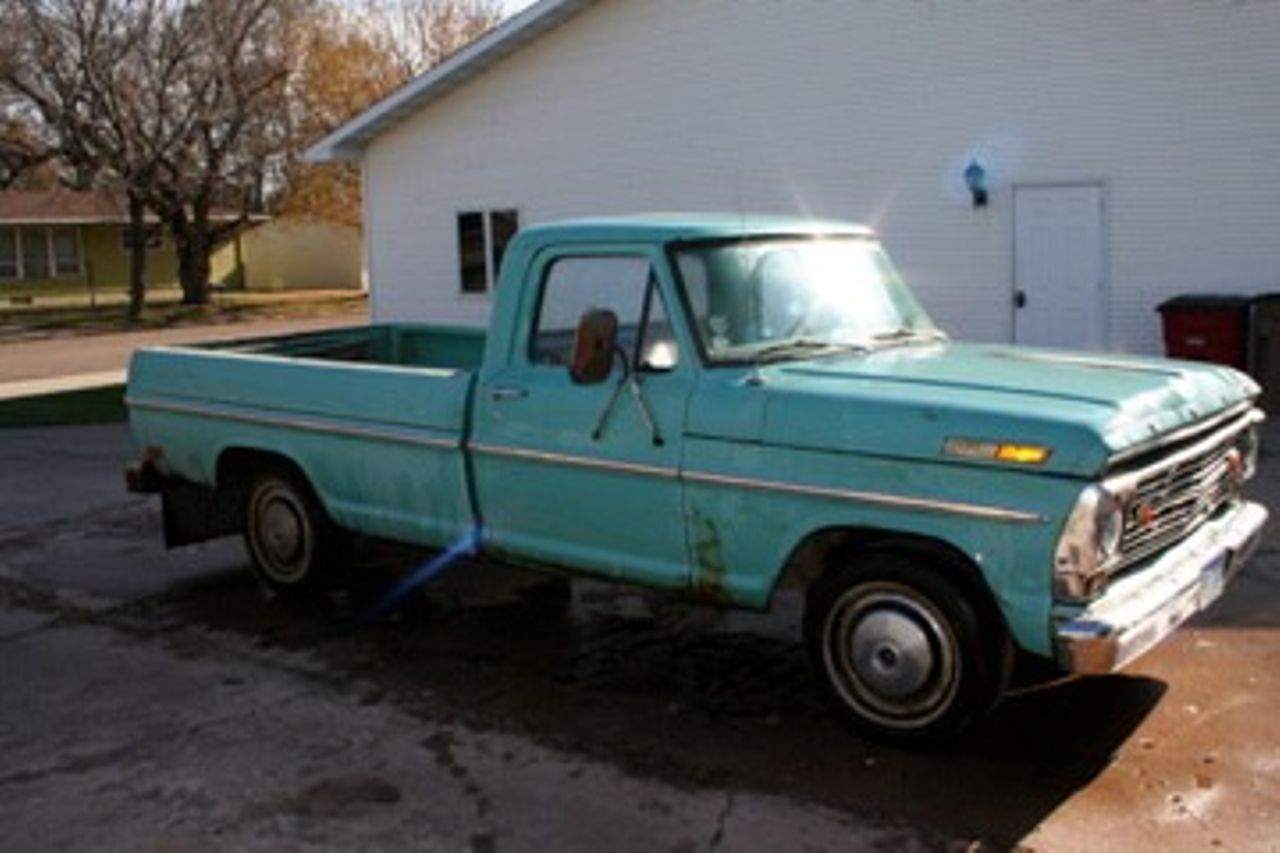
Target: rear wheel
900, 651
292, 543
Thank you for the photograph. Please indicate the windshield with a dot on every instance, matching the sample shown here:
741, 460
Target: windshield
767, 298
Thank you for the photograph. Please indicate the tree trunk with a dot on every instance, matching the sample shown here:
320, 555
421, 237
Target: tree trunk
137, 257
193, 264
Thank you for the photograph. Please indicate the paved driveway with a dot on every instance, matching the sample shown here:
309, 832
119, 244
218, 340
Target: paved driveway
157, 699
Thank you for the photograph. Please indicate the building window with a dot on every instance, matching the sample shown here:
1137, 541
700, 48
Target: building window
66, 251
34, 252
482, 241
8, 253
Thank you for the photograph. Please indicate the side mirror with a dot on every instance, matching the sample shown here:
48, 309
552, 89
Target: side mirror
593, 344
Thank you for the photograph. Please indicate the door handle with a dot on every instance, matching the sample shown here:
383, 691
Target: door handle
1019, 299
507, 392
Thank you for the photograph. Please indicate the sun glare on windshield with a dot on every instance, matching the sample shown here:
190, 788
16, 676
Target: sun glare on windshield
761, 296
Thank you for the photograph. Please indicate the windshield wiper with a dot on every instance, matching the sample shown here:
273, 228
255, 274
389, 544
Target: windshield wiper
907, 334
803, 346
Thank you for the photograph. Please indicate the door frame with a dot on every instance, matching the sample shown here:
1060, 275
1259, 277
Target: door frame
1103, 185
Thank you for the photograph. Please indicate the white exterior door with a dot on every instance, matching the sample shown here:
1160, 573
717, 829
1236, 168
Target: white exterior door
1060, 294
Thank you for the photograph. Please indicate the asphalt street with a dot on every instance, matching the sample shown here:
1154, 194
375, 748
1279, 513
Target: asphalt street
46, 357
159, 700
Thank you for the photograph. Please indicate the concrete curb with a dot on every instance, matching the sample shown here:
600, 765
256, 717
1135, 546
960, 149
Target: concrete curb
27, 388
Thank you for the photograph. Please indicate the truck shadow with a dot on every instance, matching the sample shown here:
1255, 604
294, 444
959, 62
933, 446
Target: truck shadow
685, 693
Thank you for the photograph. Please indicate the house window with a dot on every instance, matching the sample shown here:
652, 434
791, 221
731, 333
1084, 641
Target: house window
35, 252
34, 244
482, 241
66, 251
8, 253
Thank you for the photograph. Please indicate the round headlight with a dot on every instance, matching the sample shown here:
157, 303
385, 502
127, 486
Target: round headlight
1108, 525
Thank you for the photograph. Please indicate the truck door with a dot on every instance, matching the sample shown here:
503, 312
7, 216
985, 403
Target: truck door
558, 480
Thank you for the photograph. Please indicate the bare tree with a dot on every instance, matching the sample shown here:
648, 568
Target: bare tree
349, 55
424, 33
198, 107
173, 99
20, 152
72, 70
226, 102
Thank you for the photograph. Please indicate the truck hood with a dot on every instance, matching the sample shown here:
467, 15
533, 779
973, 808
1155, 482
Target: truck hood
907, 401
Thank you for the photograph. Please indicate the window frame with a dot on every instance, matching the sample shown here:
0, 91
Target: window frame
78, 242
50, 254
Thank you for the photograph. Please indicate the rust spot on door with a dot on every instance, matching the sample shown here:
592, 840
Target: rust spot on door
708, 559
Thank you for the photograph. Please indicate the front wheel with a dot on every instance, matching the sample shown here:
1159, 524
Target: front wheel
292, 543
899, 650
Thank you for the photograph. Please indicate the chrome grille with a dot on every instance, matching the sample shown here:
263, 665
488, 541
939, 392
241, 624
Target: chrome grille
1168, 501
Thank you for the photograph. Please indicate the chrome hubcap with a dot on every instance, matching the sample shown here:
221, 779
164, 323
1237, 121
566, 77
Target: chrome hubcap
891, 655
281, 531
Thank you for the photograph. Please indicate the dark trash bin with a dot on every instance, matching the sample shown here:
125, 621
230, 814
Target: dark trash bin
1264, 356
1208, 327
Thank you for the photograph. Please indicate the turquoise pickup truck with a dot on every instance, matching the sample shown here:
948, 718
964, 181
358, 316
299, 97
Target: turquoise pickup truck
721, 406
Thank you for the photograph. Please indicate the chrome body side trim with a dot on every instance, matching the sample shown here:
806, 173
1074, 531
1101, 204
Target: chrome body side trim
575, 461
988, 513
311, 424
307, 424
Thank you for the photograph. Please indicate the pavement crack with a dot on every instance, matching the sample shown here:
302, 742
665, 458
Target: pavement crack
75, 764
722, 820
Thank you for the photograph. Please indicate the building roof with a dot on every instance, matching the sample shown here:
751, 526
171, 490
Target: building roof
64, 206
348, 140
61, 206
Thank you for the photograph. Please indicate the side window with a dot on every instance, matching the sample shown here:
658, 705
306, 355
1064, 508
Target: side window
623, 285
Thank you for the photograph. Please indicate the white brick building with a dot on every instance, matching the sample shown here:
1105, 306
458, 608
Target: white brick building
1139, 143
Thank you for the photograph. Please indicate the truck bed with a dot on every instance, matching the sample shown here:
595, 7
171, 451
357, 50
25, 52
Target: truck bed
402, 345
374, 415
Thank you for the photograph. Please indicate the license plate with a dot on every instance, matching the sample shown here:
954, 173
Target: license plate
1212, 580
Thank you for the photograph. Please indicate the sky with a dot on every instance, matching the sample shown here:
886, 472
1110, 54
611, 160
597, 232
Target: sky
513, 6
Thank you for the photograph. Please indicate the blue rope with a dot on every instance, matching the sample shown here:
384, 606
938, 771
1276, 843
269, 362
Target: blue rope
466, 546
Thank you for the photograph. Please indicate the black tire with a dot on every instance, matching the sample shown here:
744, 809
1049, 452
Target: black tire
900, 651
292, 543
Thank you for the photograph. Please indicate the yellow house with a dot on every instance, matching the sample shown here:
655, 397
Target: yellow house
290, 254
62, 242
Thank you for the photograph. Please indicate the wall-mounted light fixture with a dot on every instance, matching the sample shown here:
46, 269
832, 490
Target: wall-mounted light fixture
975, 178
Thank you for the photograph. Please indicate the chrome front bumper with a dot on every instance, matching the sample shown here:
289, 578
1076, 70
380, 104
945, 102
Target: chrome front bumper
1146, 606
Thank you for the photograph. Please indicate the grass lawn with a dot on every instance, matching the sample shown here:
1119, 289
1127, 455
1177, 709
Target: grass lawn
89, 406
27, 322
